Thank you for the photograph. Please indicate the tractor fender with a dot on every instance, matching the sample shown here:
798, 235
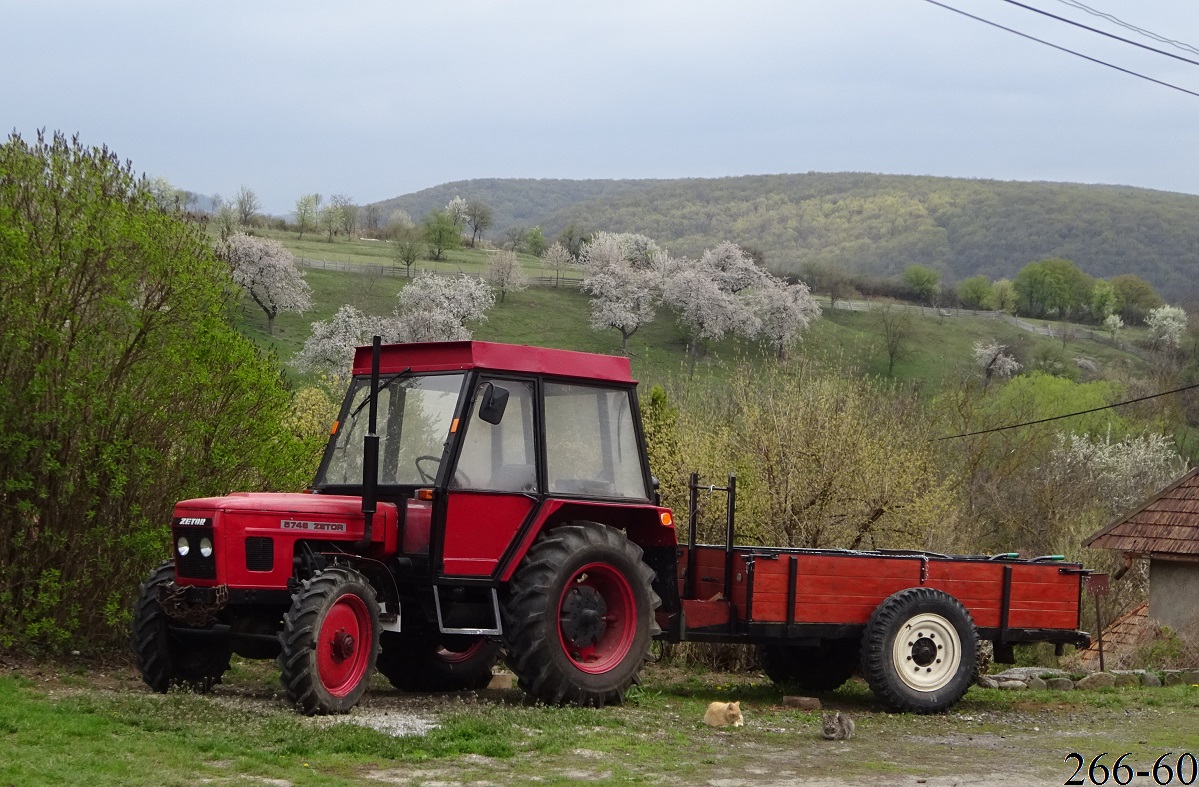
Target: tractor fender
645, 524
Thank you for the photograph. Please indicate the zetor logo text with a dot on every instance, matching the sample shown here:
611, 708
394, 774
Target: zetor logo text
192, 521
295, 524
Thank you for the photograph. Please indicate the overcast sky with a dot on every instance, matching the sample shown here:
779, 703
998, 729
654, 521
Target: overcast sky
378, 99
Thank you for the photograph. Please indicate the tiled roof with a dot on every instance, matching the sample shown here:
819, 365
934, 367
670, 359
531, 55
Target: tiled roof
1121, 639
1167, 525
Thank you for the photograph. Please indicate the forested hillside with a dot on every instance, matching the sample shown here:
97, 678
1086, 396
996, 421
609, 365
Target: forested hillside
515, 201
868, 223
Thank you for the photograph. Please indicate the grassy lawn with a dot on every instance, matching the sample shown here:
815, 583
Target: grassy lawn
938, 349
379, 252
70, 725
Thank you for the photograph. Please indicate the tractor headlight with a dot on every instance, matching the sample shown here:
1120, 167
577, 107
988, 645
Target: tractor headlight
183, 546
206, 546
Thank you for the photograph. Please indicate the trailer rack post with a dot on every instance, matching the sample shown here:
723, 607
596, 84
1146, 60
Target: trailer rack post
692, 515
728, 538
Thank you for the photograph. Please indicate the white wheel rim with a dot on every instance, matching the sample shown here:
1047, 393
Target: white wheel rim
927, 652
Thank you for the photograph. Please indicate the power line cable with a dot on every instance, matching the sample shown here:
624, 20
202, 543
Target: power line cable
1102, 32
1128, 26
1064, 49
1067, 415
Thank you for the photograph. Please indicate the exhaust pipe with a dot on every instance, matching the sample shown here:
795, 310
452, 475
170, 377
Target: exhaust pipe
370, 453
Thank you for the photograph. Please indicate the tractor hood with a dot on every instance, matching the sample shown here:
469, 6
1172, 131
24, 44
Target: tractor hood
291, 509
248, 539
337, 517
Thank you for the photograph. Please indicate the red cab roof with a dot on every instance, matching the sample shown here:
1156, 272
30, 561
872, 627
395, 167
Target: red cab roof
447, 356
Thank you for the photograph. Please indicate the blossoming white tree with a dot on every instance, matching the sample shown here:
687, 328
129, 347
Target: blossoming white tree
1118, 473
993, 359
1166, 325
706, 312
330, 348
732, 269
622, 272
430, 309
557, 258
436, 309
458, 209
1113, 325
268, 273
504, 272
784, 311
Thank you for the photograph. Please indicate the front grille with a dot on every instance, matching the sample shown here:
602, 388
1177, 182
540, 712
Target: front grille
260, 553
193, 564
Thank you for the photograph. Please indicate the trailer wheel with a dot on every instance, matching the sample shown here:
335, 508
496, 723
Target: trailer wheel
162, 660
822, 668
330, 642
919, 651
456, 663
580, 615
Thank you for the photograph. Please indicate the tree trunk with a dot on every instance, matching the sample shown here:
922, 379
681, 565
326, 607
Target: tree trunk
270, 323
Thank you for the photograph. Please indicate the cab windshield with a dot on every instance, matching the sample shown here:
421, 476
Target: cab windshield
413, 424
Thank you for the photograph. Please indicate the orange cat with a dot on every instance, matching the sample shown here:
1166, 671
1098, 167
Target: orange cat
723, 714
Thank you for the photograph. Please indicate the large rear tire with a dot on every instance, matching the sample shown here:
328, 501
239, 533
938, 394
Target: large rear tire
455, 663
162, 660
822, 668
579, 616
919, 651
330, 642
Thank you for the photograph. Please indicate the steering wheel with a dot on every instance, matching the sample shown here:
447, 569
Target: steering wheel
425, 475
460, 481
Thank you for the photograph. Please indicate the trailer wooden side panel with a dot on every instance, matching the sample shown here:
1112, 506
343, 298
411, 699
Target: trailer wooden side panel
846, 588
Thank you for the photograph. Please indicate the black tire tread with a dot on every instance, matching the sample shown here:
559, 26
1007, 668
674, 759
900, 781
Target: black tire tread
876, 655
413, 666
161, 669
297, 667
530, 600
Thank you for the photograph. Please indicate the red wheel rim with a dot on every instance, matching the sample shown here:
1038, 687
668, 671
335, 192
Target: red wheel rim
450, 656
343, 646
609, 626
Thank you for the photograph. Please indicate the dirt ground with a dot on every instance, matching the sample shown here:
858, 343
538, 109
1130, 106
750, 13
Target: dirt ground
982, 742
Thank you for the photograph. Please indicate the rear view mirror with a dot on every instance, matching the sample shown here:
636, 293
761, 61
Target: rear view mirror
495, 401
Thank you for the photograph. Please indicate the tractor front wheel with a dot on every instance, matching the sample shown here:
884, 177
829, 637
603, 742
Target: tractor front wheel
454, 663
162, 660
330, 642
919, 651
580, 615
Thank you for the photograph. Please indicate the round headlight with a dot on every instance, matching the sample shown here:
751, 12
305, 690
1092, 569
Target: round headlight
206, 547
183, 546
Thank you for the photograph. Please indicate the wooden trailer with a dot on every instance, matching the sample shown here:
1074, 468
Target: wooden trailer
911, 621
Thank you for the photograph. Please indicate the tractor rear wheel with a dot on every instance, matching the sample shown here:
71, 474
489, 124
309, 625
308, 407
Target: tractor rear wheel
330, 642
454, 663
919, 650
162, 660
580, 615
821, 668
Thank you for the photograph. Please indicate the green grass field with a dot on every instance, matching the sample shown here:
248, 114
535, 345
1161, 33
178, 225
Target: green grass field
86, 724
938, 349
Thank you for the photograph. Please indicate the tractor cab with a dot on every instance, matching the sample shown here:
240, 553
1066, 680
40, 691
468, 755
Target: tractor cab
474, 437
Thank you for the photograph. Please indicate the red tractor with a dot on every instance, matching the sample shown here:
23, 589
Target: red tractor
477, 498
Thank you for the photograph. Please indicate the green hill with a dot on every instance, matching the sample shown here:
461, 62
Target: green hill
940, 347
876, 224
523, 201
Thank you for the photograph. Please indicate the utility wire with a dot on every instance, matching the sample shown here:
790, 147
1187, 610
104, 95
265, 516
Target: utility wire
1064, 49
1116, 20
1067, 415
1102, 32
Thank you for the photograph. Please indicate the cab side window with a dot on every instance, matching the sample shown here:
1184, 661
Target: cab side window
591, 444
500, 457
